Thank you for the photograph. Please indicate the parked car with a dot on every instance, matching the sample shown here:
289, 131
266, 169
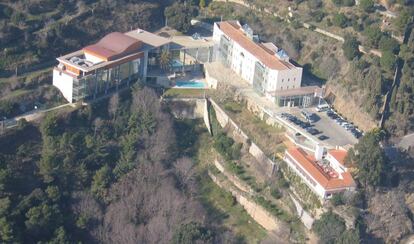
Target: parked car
322, 107
313, 131
323, 137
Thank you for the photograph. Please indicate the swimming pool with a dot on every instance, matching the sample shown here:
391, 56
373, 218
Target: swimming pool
190, 84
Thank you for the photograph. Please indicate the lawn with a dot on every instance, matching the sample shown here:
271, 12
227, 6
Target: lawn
222, 207
184, 93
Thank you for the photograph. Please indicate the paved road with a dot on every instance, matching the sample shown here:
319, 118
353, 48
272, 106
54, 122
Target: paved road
34, 115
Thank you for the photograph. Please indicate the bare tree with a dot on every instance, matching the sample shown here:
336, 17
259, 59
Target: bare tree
113, 106
98, 123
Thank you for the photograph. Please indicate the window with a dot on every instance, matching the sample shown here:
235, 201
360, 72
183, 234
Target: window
287, 87
282, 80
294, 79
288, 79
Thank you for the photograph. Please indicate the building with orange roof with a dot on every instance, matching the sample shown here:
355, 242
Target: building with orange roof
324, 174
265, 66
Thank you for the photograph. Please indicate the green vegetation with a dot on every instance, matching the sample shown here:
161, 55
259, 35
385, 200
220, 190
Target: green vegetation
350, 47
191, 233
184, 93
367, 5
331, 229
369, 158
179, 15
227, 147
340, 20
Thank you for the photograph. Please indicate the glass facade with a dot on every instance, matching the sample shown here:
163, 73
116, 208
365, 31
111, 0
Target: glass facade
294, 101
259, 78
104, 80
225, 51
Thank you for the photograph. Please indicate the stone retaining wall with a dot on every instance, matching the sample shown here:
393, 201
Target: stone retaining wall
257, 212
224, 120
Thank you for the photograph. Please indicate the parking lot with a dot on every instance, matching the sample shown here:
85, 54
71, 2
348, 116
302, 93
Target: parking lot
324, 128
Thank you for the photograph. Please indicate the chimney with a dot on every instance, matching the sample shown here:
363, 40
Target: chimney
319, 152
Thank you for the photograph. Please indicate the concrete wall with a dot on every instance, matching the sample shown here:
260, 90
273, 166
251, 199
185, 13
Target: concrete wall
64, 83
254, 150
304, 216
257, 212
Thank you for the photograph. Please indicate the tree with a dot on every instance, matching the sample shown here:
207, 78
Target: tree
101, 180
389, 44
369, 159
165, 59
329, 227
314, 4
374, 35
6, 231
202, 3
349, 237
179, 15
403, 19
192, 233
340, 20
113, 106
367, 5
388, 60
42, 218
350, 47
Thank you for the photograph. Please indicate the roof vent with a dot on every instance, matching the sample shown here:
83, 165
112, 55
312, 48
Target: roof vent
248, 31
140, 30
282, 54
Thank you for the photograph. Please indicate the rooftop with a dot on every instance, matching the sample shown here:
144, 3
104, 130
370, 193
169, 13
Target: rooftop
339, 155
325, 178
113, 46
264, 52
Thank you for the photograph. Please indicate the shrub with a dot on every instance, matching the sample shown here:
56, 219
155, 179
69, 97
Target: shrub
337, 199
389, 44
340, 20
367, 5
192, 233
350, 47
388, 60
276, 193
329, 227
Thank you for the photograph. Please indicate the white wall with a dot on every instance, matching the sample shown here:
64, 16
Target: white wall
244, 66
64, 83
317, 188
93, 58
335, 164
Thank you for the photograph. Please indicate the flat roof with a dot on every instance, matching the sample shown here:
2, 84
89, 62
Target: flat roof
183, 42
309, 164
304, 90
148, 38
234, 31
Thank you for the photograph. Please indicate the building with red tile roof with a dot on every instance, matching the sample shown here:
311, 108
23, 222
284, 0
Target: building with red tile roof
265, 66
323, 176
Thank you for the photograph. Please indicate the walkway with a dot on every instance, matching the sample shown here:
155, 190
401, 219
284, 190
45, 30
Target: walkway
33, 115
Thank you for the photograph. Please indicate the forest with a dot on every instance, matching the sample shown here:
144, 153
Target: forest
110, 172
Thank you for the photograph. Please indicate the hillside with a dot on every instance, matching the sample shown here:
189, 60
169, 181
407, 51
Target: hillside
108, 173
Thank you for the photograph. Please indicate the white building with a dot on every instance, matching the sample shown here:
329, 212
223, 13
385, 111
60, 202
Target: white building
325, 175
263, 65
